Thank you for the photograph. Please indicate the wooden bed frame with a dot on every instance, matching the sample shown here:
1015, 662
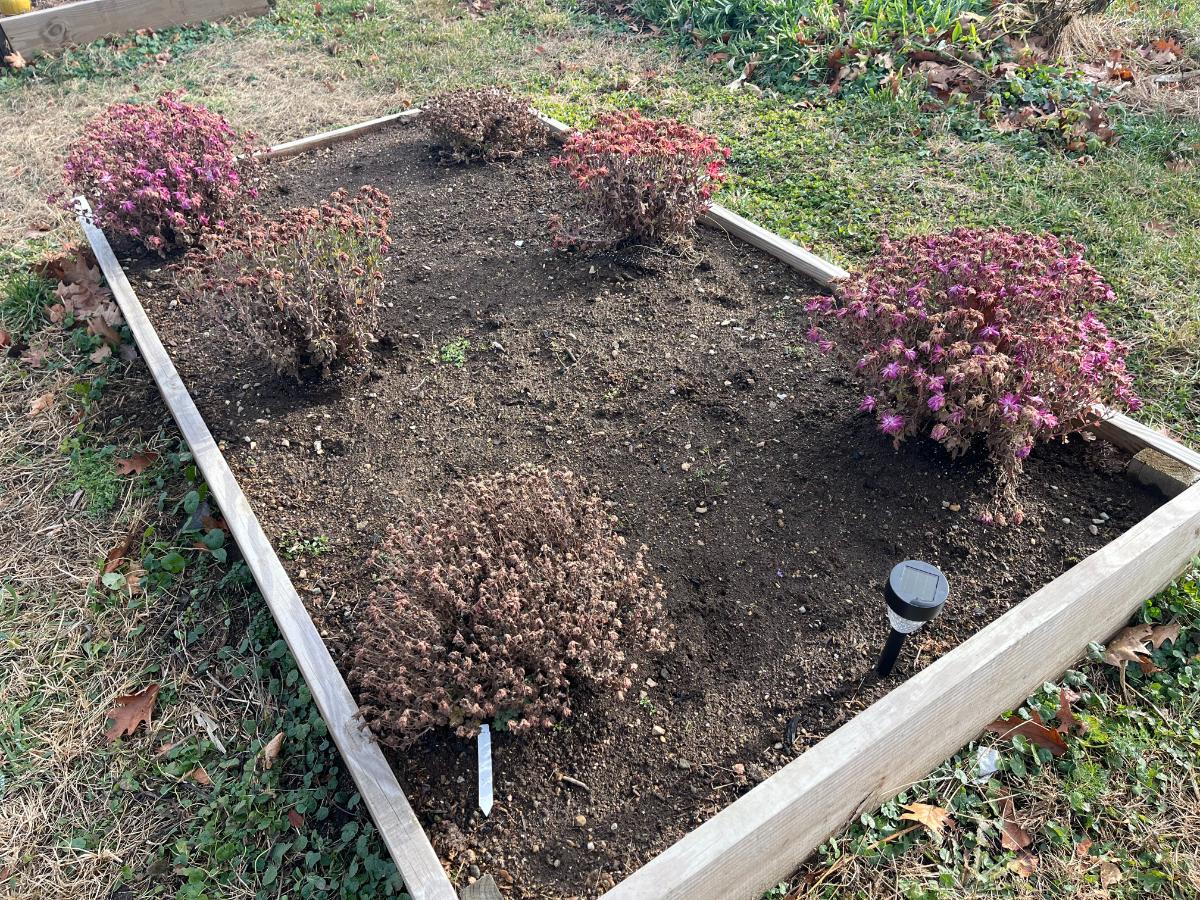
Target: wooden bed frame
53, 30
758, 840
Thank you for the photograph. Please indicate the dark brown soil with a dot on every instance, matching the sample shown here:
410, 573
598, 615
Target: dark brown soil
682, 389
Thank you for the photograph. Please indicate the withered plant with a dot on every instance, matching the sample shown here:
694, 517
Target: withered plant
482, 124
505, 602
303, 287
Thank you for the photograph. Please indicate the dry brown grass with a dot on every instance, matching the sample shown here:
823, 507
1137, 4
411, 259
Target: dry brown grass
278, 89
1172, 88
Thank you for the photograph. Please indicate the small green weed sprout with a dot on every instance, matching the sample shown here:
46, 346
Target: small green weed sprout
454, 353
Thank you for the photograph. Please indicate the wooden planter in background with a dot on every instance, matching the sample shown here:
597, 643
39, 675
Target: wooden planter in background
53, 30
759, 839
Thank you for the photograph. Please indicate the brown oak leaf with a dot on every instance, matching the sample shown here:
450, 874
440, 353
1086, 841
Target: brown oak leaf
271, 751
199, 775
932, 817
137, 464
1128, 646
1110, 873
1012, 836
295, 818
1034, 731
131, 711
41, 404
1024, 865
1160, 634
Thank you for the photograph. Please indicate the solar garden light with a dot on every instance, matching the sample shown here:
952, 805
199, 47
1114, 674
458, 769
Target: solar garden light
915, 593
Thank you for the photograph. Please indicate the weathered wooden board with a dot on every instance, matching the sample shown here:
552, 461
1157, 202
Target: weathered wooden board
1130, 434
317, 141
759, 840
49, 30
414, 856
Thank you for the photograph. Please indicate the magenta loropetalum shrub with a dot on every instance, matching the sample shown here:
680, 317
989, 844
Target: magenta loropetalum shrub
161, 173
642, 179
304, 287
507, 602
980, 335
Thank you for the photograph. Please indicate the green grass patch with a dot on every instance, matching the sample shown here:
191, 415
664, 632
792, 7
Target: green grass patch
24, 297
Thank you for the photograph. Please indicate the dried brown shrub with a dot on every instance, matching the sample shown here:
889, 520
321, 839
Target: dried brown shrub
487, 124
503, 603
303, 287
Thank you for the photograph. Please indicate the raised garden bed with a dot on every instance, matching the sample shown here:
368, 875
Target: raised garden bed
677, 385
50, 28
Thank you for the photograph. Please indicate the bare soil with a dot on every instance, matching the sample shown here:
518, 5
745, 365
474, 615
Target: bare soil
680, 386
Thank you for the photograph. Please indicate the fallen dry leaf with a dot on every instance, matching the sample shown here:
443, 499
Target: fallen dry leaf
131, 711
271, 751
199, 775
1034, 731
41, 404
1024, 865
102, 329
5, 339
1012, 836
1082, 848
1160, 634
118, 555
136, 465
295, 818
1067, 722
14, 60
1128, 646
1110, 874
932, 817
164, 749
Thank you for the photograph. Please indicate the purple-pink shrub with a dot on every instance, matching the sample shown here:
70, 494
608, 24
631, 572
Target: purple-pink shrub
980, 335
162, 173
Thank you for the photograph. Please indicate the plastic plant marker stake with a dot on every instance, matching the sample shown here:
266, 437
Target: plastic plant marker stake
485, 770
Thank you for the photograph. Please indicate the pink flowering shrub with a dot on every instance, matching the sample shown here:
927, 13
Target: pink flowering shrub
642, 179
509, 600
980, 335
162, 173
303, 287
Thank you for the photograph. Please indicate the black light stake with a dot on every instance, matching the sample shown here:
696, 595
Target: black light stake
915, 593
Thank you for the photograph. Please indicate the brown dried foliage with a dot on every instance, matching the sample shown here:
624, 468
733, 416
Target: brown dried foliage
304, 287
503, 603
482, 124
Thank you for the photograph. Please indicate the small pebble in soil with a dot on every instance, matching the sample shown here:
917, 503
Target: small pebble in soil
581, 821
684, 764
1066, 521
1093, 530
659, 730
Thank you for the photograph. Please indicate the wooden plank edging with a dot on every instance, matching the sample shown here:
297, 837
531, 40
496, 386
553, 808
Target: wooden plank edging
419, 866
44, 30
325, 138
758, 841
1130, 434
